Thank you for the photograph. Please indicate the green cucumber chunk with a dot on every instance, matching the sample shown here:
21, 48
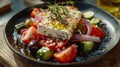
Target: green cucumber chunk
88, 14
44, 53
87, 46
19, 26
95, 21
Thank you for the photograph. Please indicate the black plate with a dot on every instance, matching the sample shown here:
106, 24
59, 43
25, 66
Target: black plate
112, 25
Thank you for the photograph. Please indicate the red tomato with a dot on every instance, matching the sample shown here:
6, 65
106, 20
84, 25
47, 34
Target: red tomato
23, 30
50, 45
71, 7
34, 12
43, 37
54, 44
66, 55
61, 43
36, 36
29, 34
82, 27
35, 24
97, 31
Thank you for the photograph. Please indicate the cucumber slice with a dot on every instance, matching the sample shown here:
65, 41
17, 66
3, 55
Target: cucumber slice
88, 14
44, 53
87, 46
95, 21
19, 26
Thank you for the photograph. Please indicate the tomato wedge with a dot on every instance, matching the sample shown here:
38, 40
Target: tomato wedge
54, 44
29, 34
35, 24
82, 27
66, 55
23, 30
34, 12
97, 31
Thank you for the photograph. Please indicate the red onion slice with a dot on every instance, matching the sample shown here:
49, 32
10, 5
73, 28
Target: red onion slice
89, 38
75, 38
88, 26
78, 38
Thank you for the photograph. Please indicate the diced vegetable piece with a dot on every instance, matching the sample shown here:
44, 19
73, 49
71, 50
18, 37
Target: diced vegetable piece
34, 12
44, 53
29, 34
87, 46
88, 25
95, 21
54, 44
78, 38
66, 55
88, 14
35, 24
19, 26
23, 30
28, 23
82, 27
97, 31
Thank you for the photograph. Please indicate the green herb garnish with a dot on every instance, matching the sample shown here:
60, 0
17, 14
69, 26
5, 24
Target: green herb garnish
71, 2
59, 10
55, 9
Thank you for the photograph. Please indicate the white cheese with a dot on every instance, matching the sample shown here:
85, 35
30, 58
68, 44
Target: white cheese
54, 32
45, 28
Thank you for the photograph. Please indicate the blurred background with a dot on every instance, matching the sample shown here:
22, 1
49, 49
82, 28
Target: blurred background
112, 6
8, 8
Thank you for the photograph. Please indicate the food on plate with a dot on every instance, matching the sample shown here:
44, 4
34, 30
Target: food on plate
66, 55
59, 33
59, 21
44, 53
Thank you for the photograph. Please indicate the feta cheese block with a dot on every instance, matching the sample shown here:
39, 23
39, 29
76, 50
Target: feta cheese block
54, 32
52, 27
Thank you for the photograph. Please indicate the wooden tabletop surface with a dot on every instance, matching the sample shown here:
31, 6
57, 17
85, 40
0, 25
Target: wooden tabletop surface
7, 59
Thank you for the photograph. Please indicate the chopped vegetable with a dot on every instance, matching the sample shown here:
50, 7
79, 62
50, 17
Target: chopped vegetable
28, 23
88, 14
66, 55
29, 34
35, 24
97, 31
82, 28
78, 38
44, 53
87, 25
20, 26
54, 44
87, 46
94, 21
34, 12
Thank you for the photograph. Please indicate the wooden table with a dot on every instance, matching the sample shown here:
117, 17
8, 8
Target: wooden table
111, 59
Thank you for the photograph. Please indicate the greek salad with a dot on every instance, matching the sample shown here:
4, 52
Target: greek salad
59, 33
